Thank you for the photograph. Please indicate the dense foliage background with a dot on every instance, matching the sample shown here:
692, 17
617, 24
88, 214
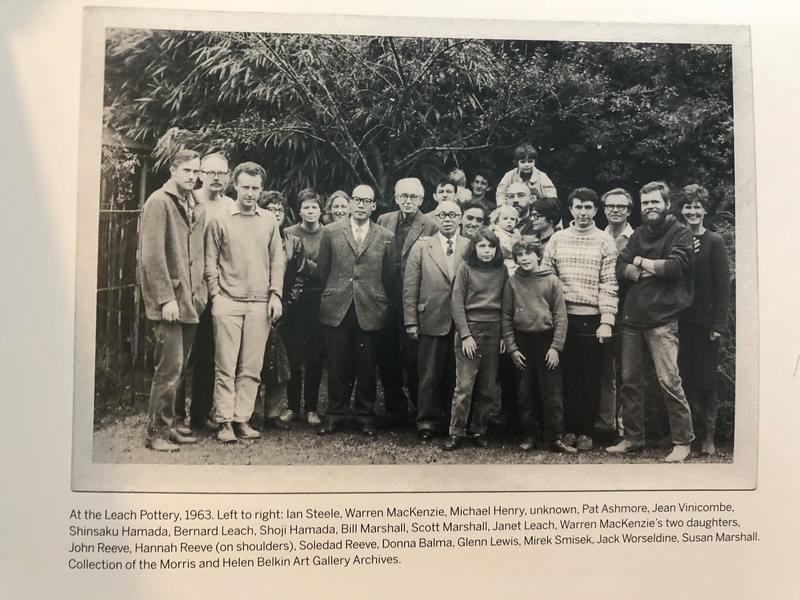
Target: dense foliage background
328, 112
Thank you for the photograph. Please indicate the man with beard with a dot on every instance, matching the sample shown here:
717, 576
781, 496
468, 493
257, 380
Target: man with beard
398, 352
519, 196
658, 260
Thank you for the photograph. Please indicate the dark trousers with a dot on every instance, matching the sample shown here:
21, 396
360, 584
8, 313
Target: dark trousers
304, 340
581, 363
397, 353
197, 396
541, 386
351, 360
437, 380
173, 345
698, 359
509, 382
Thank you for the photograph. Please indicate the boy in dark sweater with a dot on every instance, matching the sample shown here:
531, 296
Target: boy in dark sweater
534, 327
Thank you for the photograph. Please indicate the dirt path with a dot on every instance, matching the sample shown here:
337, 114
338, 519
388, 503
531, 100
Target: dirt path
123, 442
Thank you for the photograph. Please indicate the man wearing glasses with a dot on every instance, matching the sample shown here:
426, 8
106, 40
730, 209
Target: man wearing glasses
545, 218
398, 351
617, 204
427, 290
214, 175
354, 264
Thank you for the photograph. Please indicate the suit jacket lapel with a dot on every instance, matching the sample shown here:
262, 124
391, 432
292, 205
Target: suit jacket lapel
367, 239
413, 233
437, 254
348, 233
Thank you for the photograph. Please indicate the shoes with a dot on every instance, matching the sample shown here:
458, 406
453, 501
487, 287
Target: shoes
584, 444
625, 446
559, 446
225, 433
277, 423
177, 437
452, 443
160, 445
313, 419
569, 439
244, 431
367, 429
327, 428
288, 416
426, 435
528, 444
680, 452
211, 424
708, 448
184, 429
480, 440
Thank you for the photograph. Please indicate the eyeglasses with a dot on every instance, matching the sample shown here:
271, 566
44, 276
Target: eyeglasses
535, 215
405, 197
357, 200
448, 215
276, 208
214, 174
616, 207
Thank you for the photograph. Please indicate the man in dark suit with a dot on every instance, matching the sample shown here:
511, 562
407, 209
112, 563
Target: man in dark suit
427, 289
397, 351
353, 264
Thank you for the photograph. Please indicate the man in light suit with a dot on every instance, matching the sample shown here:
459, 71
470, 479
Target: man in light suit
353, 264
397, 351
427, 289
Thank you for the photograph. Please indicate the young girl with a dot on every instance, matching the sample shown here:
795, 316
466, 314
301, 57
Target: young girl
504, 226
477, 301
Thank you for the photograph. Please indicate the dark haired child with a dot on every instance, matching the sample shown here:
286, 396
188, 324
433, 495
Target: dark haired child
477, 299
534, 328
525, 171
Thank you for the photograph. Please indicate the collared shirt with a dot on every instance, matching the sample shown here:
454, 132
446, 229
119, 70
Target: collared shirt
186, 200
451, 260
359, 232
401, 232
622, 239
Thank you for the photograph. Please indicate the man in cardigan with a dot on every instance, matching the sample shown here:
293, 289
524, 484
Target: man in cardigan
658, 261
398, 352
174, 291
353, 264
244, 268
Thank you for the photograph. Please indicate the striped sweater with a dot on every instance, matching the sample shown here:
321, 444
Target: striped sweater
584, 261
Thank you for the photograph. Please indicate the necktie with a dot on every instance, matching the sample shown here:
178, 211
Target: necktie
449, 247
359, 237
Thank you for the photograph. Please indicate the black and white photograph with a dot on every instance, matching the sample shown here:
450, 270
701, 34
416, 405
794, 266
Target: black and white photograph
415, 245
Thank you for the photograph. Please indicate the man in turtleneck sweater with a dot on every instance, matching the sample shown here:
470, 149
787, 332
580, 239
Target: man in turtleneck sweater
658, 261
583, 258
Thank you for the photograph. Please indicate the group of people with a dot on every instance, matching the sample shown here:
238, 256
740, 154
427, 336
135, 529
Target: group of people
485, 312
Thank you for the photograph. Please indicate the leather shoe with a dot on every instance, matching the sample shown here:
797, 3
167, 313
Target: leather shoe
244, 431
367, 429
559, 446
160, 445
177, 437
225, 433
426, 435
277, 423
452, 443
528, 444
625, 446
480, 440
183, 430
327, 428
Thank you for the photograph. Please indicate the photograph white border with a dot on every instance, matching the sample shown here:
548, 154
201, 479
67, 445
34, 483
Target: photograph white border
87, 475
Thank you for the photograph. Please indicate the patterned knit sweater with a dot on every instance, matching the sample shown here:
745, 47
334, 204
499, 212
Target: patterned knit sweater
584, 261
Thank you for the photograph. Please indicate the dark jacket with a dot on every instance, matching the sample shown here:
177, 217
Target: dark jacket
654, 301
712, 285
356, 277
